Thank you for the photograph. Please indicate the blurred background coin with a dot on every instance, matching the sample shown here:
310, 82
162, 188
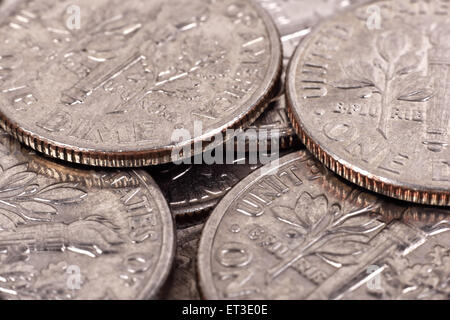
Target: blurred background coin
193, 190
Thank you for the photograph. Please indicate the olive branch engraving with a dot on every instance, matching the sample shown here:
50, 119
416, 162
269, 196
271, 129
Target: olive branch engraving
22, 200
27, 209
336, 233
394, 74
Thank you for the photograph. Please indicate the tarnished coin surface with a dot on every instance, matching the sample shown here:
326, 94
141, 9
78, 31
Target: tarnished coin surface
111, 87
182, 283
370, 98
193, 190
297, 231
79, 240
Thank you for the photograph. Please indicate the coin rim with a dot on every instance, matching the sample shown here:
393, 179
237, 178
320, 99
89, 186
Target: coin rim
250, 111
206, 287
198, 208
363, 178
168, 244
205, 254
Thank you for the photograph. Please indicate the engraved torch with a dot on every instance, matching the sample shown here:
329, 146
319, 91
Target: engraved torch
439, 110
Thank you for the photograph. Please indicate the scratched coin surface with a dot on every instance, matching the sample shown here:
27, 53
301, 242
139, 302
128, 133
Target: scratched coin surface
79, 240
112, 89
298, 231
294, 19
372, 101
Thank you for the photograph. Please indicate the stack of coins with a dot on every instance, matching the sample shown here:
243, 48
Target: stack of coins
251, 149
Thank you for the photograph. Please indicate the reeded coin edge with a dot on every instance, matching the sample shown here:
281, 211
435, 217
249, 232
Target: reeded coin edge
124, 159
387, 187
203, 208
141, 158
180, 211
354, 175
165, 260
286, 139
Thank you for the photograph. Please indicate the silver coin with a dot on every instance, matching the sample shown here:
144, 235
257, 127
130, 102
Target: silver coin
79, 240
7, 7
370, 98
182, 283
294, 230
275, 124
294, 20
196, 189
67, 172
112, 90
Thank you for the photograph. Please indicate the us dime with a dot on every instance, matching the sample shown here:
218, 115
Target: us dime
196, 189
372, 104
79, 239
113, 91
294, 20
300, 232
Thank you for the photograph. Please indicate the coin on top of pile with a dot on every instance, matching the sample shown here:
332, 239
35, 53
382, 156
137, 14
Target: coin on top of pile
109, 83
295, 230
71, 238
195, 189
368, 92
